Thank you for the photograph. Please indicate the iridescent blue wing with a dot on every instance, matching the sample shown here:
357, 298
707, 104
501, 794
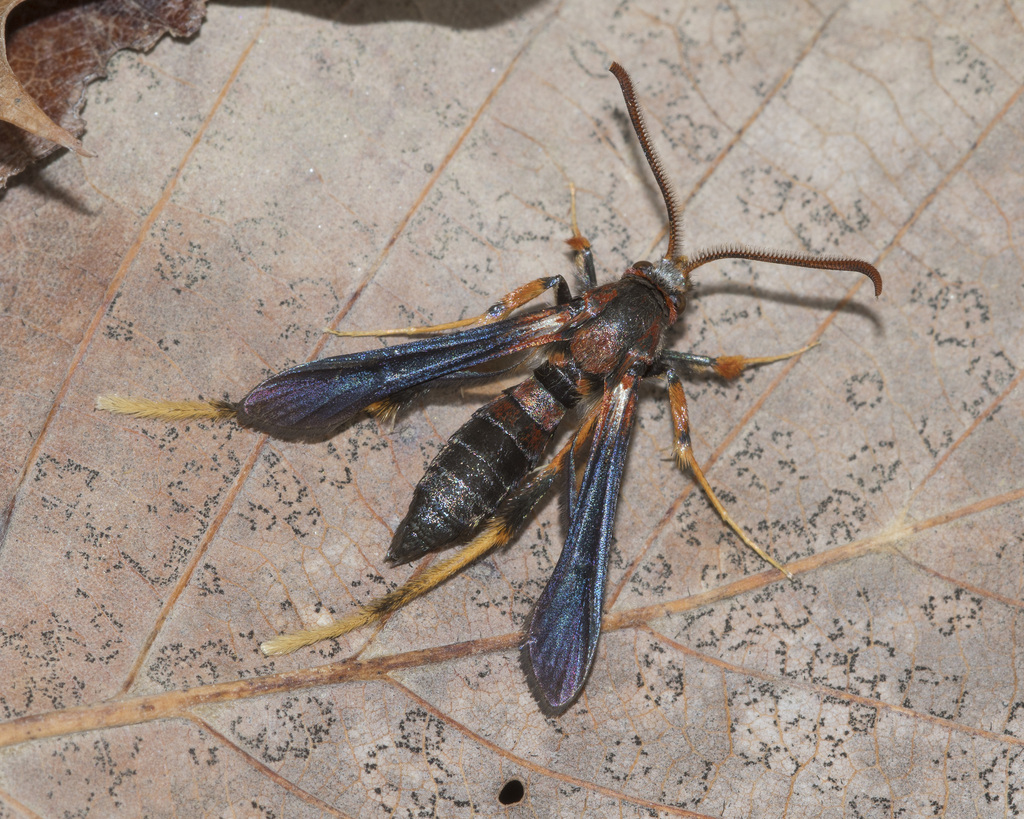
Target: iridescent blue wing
562, 636
311, 402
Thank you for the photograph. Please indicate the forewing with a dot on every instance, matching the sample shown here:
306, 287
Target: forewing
566, 622
313, 401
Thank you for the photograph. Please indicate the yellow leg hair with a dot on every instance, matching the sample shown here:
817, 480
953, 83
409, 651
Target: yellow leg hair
166, 410
731, 366
583, 256
509, 302
405, 331
494, 535
686, 462
496, 532
572, 213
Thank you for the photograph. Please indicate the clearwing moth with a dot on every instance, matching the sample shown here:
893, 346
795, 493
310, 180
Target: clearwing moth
589, 354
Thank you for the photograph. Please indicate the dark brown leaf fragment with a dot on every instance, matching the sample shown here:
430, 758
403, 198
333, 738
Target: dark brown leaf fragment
54, 48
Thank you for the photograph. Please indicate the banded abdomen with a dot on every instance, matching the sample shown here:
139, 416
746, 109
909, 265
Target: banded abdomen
486, 458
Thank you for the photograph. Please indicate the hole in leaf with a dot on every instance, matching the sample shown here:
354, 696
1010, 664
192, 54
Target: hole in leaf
512, 792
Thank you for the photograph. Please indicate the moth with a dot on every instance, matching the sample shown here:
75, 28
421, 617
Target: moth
587, 356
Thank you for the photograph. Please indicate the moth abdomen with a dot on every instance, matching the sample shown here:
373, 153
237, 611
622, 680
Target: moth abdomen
480, 464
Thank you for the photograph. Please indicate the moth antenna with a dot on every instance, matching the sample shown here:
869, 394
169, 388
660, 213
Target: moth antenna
712, 254
636, 116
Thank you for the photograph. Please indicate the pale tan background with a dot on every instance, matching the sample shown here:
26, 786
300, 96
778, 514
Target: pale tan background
308, 164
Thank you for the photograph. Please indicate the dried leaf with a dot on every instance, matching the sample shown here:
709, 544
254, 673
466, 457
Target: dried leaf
18, 107
57, 47
291, 170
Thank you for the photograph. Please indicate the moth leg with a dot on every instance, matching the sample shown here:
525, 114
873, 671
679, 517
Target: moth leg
493, 534
212, 410
583, 256
501, 309
726, 366
686, 461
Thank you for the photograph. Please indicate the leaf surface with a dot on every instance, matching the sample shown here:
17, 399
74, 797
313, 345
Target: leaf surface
356, 167
50, 50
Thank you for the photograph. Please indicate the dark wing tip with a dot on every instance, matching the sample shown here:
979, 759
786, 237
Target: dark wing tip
303, 403
271, 425
550, 706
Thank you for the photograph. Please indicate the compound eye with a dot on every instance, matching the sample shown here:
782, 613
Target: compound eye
643, 266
